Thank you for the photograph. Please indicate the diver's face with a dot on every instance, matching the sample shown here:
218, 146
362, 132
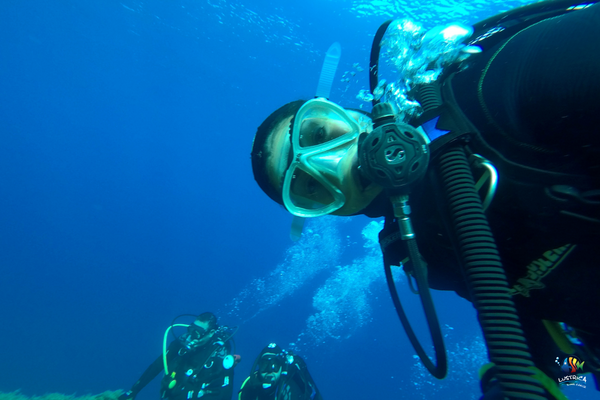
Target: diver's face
205, 333
269, 369
271, 377
314, 131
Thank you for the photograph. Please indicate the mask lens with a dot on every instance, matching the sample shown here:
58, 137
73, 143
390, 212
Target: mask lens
196, 332
321, 127
308, 193
269, 365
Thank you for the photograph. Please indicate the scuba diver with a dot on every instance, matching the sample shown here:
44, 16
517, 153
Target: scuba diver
197, 364
279, 375
487, 171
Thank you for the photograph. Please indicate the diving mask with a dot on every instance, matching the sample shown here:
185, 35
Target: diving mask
194, 336
323, 136
270, 364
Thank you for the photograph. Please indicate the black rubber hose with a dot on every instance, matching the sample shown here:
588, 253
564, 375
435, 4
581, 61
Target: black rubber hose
440, 368
374, 60
487, 281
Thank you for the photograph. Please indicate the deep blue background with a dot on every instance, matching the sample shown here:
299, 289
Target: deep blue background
126, 195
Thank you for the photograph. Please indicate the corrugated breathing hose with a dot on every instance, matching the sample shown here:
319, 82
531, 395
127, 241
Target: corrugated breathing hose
487, 281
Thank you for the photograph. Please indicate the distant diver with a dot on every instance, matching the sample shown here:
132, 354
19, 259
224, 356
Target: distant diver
198, 364
279, 375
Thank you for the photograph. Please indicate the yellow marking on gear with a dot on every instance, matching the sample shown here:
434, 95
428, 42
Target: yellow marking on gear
539, 268
547, 383
242, 388
559, 336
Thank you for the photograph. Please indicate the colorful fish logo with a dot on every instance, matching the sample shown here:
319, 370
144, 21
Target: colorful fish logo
571, 365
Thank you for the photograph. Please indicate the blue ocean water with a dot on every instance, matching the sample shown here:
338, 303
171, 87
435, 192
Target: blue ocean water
127, 198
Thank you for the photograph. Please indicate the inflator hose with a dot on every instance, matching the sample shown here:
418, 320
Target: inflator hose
486, 279
374, 59
440, 368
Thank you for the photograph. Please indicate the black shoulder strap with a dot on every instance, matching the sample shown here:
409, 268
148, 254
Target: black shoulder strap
570, 197
491, 31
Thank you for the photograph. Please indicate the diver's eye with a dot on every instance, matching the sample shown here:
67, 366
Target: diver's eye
311, 187
319, 135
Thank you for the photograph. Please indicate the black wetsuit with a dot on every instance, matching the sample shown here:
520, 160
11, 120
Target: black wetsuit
534, 98
296, 385
197, 374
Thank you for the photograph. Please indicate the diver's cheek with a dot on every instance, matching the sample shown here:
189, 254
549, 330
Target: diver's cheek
349, 183
347, 169
357, 196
